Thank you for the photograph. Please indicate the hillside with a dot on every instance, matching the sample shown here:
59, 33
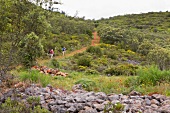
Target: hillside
120, 64
147, 34
28, 32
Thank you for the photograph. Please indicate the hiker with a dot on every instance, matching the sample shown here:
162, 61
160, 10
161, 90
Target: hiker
51, 52
63, 50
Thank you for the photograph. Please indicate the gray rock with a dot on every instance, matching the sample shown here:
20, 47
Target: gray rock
89, 110
99, 107
79, 106
72, 109
113, 97
158, 97
134, 93
99, 101
154, 106
124, 97
60, 102
115, 102
89, 104
148, 102
154, 101
89, 93
165, 109
127, 101
101, 95
90, 98
80, 100
68, 105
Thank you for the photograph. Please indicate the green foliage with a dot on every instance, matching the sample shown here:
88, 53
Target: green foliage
31, 49
82, 68
94, 50
91, 71
131, 81
55, 63
152, 76
160, 56
87, 84
84, 61
13, 106
35, 77
32, 99
149, 30
113, 108
145, 47
112, 55
125, 69
27, 30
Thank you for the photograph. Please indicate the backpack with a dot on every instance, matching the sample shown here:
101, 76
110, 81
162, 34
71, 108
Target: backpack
63, 49
51, 52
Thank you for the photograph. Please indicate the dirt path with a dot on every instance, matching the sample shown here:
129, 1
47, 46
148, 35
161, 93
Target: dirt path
94, 42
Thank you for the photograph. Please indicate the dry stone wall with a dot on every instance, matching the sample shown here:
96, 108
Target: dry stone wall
80, 101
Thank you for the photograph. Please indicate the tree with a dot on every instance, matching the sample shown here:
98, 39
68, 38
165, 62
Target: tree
31, 49
11, 33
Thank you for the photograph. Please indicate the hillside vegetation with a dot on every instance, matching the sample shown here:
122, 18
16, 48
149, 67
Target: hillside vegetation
133, 53
147, 34
28, 31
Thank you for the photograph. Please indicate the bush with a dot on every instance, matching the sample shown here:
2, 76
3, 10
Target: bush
113, 108
124, 69
84, 61
76, 56
91, 71
131, 81
112, 55
82, 68
152, 76
95, 50
13, 106
31, 48
55, 63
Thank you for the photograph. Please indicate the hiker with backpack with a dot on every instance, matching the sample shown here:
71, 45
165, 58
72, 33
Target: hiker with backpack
51, 52
63, 50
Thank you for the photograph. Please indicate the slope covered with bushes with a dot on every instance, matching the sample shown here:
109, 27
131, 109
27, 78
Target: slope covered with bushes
28, 31
147, 34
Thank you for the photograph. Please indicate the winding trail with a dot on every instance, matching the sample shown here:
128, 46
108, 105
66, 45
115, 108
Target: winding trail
94, 42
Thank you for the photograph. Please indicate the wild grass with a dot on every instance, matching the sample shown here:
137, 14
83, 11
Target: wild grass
153, 76
149, 80
34, 76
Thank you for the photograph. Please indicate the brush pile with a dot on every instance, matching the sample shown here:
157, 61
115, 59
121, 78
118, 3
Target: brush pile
46, 70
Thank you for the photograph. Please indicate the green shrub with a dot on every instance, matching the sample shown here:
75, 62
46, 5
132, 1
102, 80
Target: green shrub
86, 84
13, 106
32, 99
152, 76
131, 81
82, 68
123, 69
84, 61
55, 63
112, 55
113, 108
95, 50
91, 71
76, 56
31, 48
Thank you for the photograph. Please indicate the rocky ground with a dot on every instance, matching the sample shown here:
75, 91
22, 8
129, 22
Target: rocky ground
80, 101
